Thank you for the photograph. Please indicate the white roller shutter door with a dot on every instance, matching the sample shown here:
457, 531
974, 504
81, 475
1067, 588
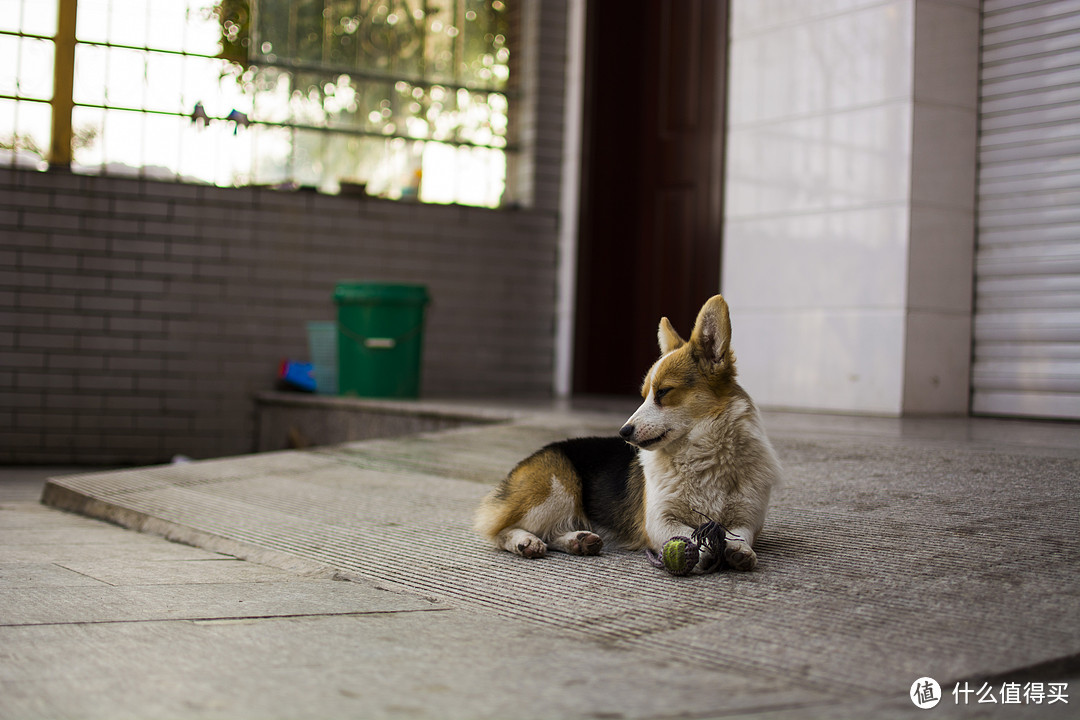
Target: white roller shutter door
1027, 275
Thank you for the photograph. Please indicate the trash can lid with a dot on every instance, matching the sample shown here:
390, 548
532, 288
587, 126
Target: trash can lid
351, 291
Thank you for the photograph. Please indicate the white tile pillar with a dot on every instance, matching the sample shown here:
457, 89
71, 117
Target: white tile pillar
849, 202
941, 243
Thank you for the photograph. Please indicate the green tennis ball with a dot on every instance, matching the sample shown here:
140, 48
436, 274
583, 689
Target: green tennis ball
679, 555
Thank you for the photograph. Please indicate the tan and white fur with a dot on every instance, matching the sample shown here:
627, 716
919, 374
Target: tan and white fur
695, 449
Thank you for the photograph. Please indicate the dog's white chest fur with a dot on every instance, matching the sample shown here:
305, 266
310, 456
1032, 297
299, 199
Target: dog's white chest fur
672, 490
702, 474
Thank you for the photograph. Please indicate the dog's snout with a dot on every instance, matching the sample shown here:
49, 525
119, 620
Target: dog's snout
626, 431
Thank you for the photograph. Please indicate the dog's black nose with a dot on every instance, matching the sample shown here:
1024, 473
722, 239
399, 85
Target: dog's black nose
626, 431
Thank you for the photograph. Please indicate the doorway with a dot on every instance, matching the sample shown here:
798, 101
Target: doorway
651, 204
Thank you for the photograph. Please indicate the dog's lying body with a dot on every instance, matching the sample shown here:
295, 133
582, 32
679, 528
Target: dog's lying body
695, 449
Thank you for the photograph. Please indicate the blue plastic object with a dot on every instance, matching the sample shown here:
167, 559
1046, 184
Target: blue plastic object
297, 375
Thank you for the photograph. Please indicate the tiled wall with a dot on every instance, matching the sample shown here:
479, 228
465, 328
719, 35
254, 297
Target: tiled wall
845, 242
137, 318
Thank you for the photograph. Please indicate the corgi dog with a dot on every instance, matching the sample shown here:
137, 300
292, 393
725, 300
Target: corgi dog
696, 449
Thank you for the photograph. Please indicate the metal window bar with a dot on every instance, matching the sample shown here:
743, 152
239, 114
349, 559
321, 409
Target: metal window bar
328, 70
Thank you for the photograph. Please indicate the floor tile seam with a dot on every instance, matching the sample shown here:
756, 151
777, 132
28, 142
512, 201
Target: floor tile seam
223, 618
85, 575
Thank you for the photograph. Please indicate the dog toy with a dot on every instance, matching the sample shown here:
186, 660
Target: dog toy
680, 555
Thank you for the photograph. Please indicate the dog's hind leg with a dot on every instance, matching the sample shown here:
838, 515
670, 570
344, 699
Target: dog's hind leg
578, 542
538, 506
521, 542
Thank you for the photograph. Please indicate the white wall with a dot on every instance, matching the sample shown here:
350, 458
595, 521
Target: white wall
836, 248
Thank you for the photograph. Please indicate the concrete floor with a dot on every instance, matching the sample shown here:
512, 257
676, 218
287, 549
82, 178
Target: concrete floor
344, 582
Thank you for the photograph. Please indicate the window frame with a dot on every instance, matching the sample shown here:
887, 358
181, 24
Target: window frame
60, 154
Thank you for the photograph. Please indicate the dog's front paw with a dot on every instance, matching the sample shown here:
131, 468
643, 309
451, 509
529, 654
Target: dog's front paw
740, 555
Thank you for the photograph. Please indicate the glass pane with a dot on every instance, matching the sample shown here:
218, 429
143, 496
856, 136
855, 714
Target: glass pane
342, 102
165, 19
272, 90
32, 123
87, 148
305, 101
92, 21
360, 155
199, 85
122, 142
11, 17
161, 156
230, 85
201, 30
308, 154
89, 85
271, 153
39, 17
440, 177
485, 54
465, 175
439, 38
9, 65
236, 155
125, 75
198, 152
397, 172
127, 22
7, 132
36, 69
219, 153
163, 78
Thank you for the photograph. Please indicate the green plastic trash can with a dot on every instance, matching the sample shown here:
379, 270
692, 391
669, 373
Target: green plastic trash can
380, 338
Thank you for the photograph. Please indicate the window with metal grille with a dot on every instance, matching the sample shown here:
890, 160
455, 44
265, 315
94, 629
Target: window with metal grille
405, 99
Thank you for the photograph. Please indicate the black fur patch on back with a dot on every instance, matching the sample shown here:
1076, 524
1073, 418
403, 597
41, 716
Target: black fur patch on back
610, 480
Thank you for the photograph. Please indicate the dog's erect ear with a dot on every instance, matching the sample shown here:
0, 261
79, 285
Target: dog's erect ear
669, 339
712, 333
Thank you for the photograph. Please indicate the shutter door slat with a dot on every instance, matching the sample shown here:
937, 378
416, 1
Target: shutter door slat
1027, 262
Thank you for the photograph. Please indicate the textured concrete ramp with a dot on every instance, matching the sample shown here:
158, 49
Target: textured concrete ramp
885, 559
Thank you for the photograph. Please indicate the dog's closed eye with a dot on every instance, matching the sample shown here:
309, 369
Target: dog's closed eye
661, 393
